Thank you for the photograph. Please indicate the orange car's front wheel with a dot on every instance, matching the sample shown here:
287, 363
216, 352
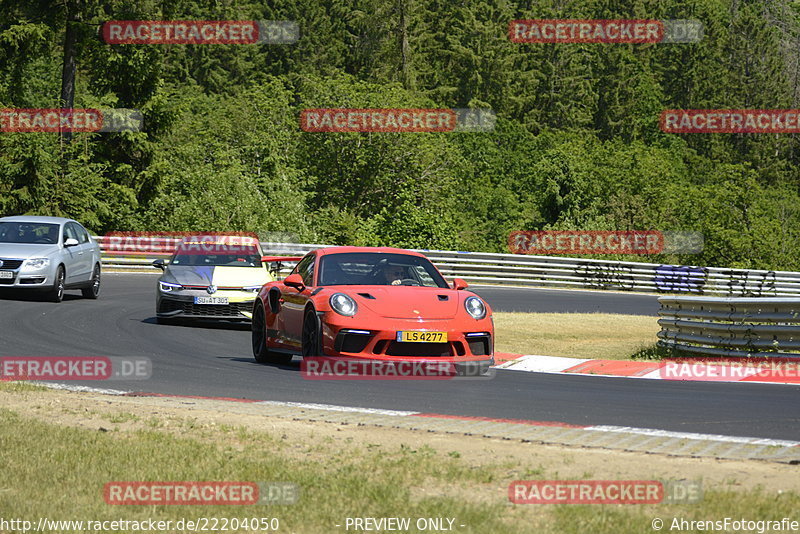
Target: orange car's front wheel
311, 340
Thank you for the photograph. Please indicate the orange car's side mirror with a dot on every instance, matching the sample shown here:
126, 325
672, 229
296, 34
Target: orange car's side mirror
295, 281
459, 284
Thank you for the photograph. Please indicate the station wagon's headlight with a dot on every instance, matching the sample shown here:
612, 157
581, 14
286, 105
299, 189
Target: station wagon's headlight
343, 304
166, 287
36, 263
252, 289
475, 307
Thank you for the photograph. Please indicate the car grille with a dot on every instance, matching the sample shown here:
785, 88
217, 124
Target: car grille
479, 345
419, 349
233, 309
351, 342
10, 264
6, 281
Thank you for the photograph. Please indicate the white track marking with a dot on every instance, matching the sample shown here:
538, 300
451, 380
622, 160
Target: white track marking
692, 435
83, 389
333, 408
310, 406
558, 365
541, 364
598, 428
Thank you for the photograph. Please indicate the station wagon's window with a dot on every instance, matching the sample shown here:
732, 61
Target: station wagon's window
25, 232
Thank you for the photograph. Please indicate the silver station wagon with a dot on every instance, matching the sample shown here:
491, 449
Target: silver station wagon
48, 254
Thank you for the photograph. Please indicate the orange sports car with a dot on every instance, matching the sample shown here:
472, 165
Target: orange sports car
374, 303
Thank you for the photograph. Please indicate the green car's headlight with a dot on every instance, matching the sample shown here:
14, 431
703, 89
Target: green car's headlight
166, 287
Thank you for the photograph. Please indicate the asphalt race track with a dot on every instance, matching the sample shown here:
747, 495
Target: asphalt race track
215, 360
573, 301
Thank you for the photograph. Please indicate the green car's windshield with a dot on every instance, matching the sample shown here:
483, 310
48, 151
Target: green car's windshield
217, 251
218, 260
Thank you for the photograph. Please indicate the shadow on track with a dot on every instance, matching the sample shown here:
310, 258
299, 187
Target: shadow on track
293, 366
199, 323
34, 296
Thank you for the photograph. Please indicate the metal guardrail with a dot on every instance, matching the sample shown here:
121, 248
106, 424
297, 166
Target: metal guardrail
135, 257
731, 327
548, 271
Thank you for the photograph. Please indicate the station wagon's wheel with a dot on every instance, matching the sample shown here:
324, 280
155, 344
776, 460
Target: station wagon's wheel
56, 294
93, 291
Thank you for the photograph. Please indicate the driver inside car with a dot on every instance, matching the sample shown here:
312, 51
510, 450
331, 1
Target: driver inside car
394, 274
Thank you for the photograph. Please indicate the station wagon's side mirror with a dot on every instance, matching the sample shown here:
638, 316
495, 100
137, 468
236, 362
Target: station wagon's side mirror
295, 281
459, 284
160, 264
71, 242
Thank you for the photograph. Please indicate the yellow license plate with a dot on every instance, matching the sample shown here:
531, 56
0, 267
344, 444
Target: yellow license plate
421, 336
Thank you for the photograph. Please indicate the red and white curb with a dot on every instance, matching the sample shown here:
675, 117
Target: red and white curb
550, 432
656, 370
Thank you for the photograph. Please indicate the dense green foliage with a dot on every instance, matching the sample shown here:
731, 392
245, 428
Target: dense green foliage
577, 143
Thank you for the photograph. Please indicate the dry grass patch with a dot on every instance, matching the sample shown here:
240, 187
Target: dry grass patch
576, 335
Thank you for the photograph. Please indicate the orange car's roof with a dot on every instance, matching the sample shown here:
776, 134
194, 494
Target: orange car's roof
388, 250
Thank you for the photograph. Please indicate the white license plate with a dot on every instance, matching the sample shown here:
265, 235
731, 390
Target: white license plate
6, 274
211, 300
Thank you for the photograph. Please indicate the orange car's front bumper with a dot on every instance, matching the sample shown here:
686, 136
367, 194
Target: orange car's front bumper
376, 338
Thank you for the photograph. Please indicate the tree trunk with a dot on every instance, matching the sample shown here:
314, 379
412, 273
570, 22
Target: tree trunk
402, 37
67, 99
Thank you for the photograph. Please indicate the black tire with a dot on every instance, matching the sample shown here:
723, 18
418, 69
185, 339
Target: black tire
56, 294
261, 352
311, 338
93, 291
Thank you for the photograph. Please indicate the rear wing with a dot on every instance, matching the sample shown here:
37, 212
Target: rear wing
278, 263
269, 259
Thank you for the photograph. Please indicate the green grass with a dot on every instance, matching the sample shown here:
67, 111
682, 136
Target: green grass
20, 387
58, 472
575, 335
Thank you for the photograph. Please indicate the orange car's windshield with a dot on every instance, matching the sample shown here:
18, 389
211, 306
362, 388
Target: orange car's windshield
376, 268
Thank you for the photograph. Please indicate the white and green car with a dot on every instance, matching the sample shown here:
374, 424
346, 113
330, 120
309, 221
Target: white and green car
212, 277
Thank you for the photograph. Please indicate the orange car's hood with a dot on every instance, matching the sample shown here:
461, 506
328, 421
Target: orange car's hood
407, 302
